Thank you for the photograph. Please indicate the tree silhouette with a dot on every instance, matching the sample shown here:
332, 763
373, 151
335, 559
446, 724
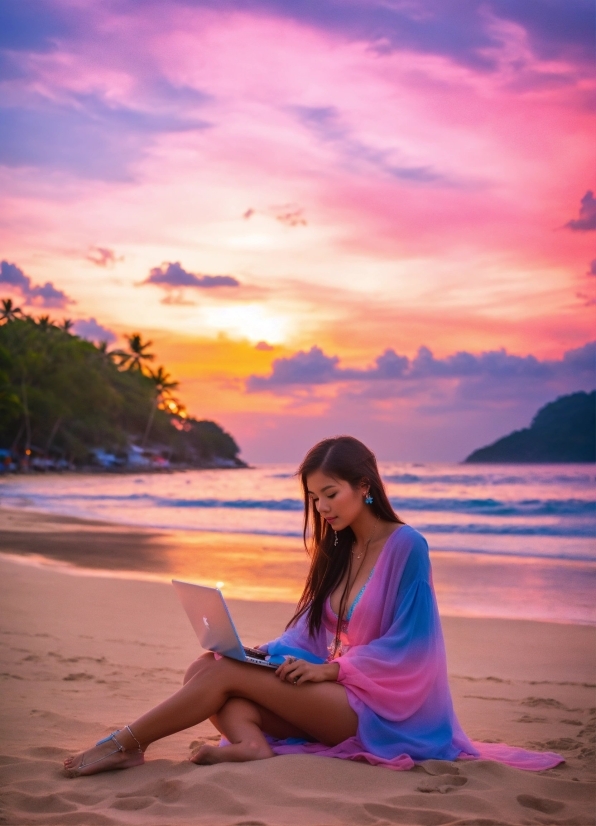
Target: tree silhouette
108, 355
45, 322
67, 325
8, 311
134, 359
163, 385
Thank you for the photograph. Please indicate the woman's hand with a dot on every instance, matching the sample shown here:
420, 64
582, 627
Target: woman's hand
299, 672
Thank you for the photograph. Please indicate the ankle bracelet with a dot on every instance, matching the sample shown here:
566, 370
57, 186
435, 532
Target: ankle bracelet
133, 737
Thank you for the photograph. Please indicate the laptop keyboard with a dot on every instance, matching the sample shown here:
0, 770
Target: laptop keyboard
255, 653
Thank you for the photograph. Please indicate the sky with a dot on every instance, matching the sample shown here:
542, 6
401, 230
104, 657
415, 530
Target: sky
373, 217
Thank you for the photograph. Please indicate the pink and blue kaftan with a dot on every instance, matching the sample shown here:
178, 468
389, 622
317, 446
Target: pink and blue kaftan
394, 669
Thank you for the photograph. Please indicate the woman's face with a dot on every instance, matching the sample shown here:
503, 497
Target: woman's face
335, 499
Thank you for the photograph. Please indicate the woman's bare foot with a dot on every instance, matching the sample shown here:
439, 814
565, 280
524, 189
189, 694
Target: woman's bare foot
235, 753
102, 758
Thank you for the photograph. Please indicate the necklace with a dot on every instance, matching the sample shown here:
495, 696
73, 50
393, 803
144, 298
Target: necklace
336, 648
367, 543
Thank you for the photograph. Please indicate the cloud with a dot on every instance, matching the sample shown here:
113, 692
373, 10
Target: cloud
290, 214
90, 329
264, 346
581, 358
325, 123
592, 270
313, 367
40, 295
84, 134
15, 277
497, 367
462, 31
103, 256
35, 26
173, 276
587, 215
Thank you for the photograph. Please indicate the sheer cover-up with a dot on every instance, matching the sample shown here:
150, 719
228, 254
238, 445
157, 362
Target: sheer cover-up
394, 670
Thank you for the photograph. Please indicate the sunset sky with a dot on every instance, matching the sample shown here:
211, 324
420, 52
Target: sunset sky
373, 217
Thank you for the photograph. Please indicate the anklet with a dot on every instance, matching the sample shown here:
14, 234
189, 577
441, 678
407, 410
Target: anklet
133, 737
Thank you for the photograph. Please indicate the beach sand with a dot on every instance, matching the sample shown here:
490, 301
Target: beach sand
82, 655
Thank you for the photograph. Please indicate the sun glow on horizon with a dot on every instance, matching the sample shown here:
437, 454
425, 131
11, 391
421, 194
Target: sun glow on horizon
251, 321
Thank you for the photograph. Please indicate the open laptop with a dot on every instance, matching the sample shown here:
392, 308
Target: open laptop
213, 625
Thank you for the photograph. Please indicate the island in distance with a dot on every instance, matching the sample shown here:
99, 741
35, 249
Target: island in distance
561, 431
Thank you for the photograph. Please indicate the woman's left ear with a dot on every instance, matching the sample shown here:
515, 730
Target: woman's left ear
365, 491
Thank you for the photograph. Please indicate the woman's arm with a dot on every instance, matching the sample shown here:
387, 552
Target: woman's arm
298, 642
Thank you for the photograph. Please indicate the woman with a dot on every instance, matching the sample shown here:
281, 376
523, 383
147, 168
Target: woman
365, 673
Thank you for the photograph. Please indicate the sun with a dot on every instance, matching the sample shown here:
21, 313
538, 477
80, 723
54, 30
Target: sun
250, 321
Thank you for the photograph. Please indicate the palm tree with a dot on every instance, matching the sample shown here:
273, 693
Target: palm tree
8, 311
67, 325
135, 358
45, 322
162, 384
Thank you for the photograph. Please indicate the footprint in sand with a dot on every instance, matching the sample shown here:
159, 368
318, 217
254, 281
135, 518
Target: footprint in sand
209, 740
439, 767
48, 751
540, 804
562, 744
41, 804
133, 804
80, 675
250, 823
544, 702
166, 791
401, 814
443, 787
590, 730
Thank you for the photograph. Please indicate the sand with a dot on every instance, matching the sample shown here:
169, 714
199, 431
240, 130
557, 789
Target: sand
82, 655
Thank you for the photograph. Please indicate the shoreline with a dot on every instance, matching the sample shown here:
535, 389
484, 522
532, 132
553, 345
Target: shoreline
271, 567
294, 537
94, 470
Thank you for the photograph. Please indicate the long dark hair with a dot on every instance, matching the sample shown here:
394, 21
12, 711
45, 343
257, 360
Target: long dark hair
342, 457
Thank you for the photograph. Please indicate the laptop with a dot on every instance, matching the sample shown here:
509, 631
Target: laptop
212, 623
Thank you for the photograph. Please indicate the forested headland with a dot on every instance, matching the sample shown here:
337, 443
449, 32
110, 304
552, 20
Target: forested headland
66, 402
562, 431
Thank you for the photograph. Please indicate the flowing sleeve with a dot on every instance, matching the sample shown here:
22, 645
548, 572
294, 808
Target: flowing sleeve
298, 642
396, 674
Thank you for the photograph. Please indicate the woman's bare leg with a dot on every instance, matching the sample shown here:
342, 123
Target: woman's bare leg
319, 709
241, 721
243, 724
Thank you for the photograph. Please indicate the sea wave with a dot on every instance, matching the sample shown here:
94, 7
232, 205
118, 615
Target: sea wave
531, 508
490, 479
585, 531
494, 507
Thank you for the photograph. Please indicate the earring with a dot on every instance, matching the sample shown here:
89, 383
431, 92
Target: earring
336, 540
368, 499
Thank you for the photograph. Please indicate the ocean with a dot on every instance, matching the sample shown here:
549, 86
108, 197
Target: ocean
511, 540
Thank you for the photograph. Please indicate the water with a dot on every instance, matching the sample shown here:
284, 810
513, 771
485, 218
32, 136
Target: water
488, 527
